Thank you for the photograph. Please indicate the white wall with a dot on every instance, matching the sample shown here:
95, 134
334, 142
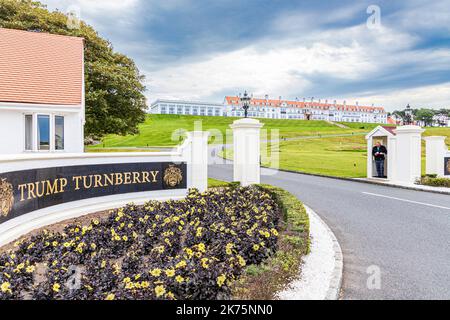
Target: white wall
12, 127
12, 132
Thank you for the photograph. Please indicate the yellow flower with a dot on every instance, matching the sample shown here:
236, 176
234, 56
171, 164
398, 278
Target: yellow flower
221, 280
255, 247
125, 238
229, 248
155, 272
179, 279
274, 232
160, 290
205, 263
30, 269
56, 287
6, 287
181, 264
103, 265
199, 232
170, 273
241, 261
201, 247
93, 246
110, 297
96, 222
170, 295
145, 284
127, 280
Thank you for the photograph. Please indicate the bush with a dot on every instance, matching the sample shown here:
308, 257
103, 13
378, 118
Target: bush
432, 180
189, 249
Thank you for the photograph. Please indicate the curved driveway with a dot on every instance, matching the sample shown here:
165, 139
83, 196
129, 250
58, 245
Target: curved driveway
403, 233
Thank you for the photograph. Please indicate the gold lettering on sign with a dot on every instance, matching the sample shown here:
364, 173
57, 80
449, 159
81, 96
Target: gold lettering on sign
40, 189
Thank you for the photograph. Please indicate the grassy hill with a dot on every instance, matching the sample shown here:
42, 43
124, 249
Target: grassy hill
157, 130
314, 152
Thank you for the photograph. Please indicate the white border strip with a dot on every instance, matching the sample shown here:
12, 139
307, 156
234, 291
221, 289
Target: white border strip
320, 276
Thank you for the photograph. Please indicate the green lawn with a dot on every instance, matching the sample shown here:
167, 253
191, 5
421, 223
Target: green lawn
336, 156
157, 130
339, 156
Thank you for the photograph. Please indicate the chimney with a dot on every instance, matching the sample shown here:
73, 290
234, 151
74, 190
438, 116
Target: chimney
345, 103
267, 97
335, 102
357, 103
326, 101
320, 100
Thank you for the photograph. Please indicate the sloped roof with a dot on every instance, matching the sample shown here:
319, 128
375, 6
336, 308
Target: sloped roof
297, 104
40, 68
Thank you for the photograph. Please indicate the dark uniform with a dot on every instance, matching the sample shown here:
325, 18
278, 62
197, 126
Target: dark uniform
379, 154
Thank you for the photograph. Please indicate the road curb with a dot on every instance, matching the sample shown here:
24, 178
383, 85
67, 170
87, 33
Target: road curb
361, 181
336, 278
322, 270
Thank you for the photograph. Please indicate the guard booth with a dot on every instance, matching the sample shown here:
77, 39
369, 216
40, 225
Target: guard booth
387, 137
404, 146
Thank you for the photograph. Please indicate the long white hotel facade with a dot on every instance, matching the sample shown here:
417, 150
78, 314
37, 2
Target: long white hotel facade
274, 109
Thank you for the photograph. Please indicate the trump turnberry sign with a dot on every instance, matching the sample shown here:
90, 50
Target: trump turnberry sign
30, 190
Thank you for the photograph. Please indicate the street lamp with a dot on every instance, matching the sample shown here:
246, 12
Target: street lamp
245, 101
408, 115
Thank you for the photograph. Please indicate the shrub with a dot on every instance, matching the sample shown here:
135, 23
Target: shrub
432, 180
189, 249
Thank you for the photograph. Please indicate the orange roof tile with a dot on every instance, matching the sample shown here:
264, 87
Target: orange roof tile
40, 68
277, 103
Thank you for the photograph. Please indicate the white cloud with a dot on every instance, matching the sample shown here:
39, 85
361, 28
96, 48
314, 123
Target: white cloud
434, 96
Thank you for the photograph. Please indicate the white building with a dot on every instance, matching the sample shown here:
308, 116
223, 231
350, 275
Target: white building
41, 93
285, 109
274, 109
183, 107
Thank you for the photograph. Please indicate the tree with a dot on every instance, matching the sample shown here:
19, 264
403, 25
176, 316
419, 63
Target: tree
115, 101
425, 115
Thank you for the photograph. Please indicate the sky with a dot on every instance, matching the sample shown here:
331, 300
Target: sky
387, 53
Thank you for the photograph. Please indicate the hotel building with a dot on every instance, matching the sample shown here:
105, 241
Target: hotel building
275, 109
285, 109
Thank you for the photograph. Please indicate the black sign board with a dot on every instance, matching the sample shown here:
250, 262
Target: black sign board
22, 192
447, 167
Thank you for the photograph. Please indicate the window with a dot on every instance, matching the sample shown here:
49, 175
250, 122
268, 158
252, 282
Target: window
59, 133
43, 132
28, 132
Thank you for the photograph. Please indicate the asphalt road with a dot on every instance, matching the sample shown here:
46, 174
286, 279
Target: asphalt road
403, 233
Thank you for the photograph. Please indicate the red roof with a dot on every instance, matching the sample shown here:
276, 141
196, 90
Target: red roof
298, 104
40, 68
390, 129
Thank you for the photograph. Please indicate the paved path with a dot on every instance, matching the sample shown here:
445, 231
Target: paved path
405, 233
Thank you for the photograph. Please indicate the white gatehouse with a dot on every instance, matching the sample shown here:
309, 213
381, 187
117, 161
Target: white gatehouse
403, 163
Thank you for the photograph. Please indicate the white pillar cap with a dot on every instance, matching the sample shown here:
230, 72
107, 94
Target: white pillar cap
246, 123
409, 129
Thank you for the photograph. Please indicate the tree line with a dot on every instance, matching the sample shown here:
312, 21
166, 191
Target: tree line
115, 100
428, 116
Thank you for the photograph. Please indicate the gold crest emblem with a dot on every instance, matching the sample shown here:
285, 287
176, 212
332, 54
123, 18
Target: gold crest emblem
6, 197
173, 176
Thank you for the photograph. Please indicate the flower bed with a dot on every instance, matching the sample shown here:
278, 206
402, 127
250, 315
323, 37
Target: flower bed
190, 249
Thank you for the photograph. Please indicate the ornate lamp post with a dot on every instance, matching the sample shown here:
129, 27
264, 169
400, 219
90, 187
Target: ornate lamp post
245, 101
408, 115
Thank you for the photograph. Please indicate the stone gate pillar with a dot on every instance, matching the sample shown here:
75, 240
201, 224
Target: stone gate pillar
409, 154
435, 153
247, 153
